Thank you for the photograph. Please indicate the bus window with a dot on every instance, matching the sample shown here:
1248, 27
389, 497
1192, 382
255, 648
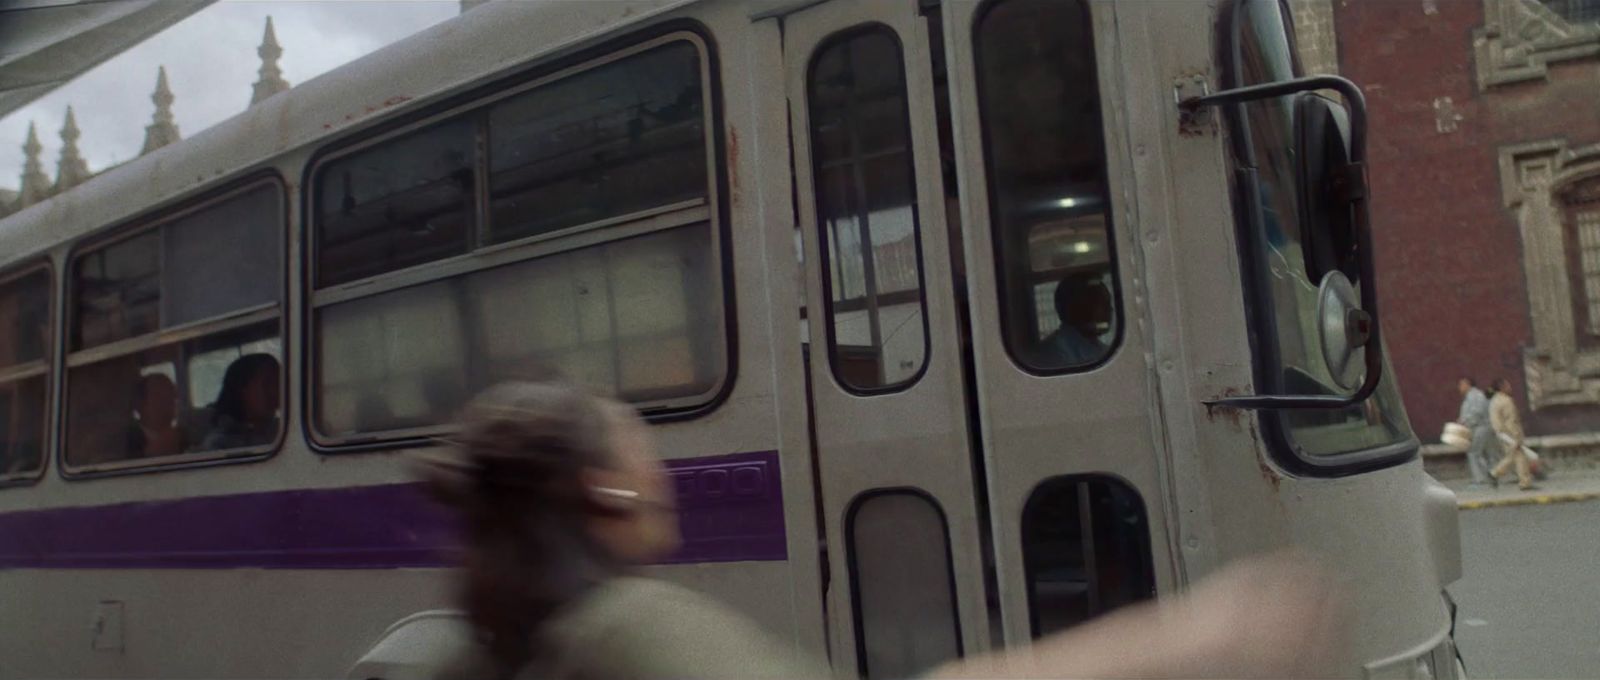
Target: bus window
572, 152
905, 591
599, 260
1050, 209
1085, 550
866, 210
147, 307
1289, 274
402, 203
24, 373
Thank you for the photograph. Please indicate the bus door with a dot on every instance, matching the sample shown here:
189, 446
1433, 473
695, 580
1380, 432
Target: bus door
895, 463
1063, 365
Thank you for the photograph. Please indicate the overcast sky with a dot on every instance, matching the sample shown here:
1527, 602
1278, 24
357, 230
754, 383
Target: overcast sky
211, 64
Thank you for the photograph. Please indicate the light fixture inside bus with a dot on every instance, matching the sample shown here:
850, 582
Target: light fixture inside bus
1081, 247
1067, 203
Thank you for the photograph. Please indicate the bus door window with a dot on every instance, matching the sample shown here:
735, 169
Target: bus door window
1085, 551
904, 587
24, 373
145, 306
1040, 107
866, 210
597, 256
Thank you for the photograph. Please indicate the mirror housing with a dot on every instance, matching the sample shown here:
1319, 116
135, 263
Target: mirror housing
1332, 149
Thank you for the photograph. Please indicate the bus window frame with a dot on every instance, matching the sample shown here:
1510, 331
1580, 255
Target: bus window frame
837, 352
713, 209
995, 225
50, 369
238, 319
1260, 313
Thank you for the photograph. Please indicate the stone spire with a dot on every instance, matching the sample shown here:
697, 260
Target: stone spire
162, 130
71, 170
271, 81
35, 184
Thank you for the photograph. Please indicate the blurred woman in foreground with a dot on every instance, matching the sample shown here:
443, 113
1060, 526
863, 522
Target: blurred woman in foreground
562, 496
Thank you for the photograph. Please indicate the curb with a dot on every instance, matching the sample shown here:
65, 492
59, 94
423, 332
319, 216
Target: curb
1538, 499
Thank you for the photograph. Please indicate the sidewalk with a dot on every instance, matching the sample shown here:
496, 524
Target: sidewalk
1559, 488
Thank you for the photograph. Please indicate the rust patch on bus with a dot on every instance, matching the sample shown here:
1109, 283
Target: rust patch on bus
371, 109
1267, 472
1234, 416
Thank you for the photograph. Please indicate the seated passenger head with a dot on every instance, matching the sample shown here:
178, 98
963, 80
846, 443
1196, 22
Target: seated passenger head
155, 400
1083, 303
1466, 385
249, 390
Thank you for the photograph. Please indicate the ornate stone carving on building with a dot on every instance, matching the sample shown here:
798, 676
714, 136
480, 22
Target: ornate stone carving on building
271, 81
71, 169
163, 129
1535, 178
1521, 38
35, 186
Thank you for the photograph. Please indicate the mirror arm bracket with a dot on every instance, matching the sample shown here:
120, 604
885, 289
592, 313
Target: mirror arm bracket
1353, 187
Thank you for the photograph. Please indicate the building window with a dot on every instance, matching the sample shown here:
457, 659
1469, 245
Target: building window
1581, 206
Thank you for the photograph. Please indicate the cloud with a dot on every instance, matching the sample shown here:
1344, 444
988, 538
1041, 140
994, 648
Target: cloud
211, 64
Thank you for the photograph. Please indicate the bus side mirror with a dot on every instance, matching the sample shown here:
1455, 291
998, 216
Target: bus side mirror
1331, 178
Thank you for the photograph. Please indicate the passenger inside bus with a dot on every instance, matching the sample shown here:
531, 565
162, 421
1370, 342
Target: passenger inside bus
1084, 306
154, 430
246, 411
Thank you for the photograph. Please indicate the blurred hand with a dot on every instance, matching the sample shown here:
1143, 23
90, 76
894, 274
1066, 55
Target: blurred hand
1268, 617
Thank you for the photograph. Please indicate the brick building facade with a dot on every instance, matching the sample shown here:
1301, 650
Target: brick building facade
1485, 164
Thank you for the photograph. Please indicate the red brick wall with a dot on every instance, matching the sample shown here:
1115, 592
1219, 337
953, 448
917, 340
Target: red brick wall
1449, 253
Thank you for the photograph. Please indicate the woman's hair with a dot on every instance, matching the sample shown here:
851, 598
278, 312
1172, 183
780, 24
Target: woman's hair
514, 477
230, 399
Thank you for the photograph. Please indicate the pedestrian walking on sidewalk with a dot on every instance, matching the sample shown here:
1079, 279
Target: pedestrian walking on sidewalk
1507, 423
1475, 416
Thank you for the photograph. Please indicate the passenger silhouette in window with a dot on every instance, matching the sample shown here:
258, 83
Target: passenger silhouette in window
154, 430
246, 411
1084, 306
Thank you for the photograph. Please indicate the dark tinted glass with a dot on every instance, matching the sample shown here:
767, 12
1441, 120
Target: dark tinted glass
401, 203
22, 425
220, 259
616, 139
25, 319
1086, 551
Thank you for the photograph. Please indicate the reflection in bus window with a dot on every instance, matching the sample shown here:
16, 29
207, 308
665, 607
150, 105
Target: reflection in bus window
148, 311
1051, 216
24, 372
866, 210
573, 152
402, 203
637, 318
638, 314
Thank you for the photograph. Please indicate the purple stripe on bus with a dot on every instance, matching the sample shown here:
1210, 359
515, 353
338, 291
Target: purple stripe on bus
731, 510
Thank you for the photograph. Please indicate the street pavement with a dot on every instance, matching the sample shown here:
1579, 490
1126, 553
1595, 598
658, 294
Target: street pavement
1529, 600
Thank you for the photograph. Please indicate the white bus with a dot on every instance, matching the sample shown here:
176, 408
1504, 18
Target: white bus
1031, 276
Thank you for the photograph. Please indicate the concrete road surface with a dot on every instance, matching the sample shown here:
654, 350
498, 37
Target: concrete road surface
1529, 600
